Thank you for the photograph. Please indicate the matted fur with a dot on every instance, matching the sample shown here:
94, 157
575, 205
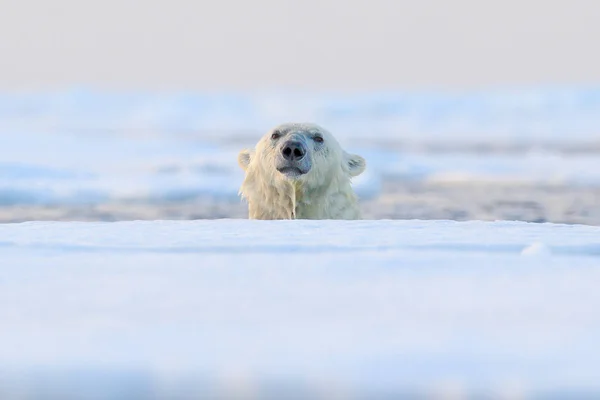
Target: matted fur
324, 192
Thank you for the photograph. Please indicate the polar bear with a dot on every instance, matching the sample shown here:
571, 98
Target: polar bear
300, 171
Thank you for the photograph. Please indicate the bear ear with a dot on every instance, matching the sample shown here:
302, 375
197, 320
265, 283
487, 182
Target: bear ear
356, 164
244, 158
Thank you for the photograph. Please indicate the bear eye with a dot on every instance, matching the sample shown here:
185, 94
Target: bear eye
276, 135
318, 139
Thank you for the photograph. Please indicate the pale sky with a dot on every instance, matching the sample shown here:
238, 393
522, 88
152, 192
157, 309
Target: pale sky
306, 44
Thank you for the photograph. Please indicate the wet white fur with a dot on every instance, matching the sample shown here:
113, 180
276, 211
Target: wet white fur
325, 192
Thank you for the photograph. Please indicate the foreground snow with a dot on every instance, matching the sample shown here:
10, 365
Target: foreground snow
298, 308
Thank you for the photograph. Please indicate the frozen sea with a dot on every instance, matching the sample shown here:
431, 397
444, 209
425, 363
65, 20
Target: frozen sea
512, 154
128, 269
299, 309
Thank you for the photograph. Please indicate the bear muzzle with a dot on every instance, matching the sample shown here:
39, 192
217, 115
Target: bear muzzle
293, 160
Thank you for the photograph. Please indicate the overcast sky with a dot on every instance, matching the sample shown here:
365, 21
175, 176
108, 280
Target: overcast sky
311, 44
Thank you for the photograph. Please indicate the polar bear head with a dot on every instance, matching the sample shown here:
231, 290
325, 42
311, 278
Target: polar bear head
301, 161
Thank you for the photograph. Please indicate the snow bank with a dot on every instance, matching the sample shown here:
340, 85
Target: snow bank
298, 308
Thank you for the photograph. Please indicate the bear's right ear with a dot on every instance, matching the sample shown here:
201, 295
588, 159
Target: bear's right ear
244, 158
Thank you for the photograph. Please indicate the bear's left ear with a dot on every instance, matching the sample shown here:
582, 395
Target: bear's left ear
356, 164
244, 158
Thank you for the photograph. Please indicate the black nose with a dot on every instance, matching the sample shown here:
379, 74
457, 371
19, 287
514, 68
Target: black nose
293, 151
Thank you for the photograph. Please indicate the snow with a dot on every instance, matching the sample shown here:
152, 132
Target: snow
92, 147
167, 309
174, 309
536, 249
65, 169
515, 114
